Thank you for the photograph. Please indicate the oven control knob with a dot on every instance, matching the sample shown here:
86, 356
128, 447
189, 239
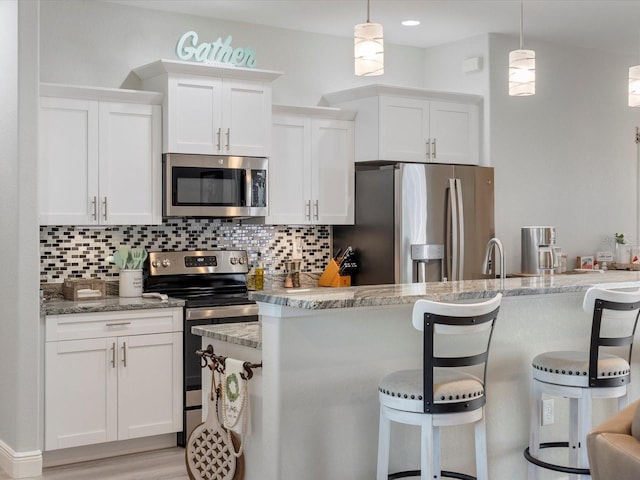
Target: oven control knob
155, 263
166, 263
234, 260
242, 260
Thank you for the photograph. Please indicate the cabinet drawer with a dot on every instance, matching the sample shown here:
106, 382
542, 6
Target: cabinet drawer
77, 326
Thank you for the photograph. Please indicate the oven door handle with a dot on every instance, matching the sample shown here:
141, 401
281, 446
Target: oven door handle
221, 312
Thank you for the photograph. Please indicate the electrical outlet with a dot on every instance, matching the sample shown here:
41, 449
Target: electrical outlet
547, 412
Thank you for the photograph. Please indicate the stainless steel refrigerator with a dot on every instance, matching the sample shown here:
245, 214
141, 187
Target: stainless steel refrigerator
419, 222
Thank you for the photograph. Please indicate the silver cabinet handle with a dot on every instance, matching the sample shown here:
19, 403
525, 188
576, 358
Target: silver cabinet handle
307, 210
228, 138
104, 203
94, 207
315, 210
434, 148
218, 135
124, 353
428, 149
118, 324
113, 355
460, 227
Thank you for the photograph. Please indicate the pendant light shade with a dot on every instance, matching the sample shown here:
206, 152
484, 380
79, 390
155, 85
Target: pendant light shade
522, 67
368, 48
634, 86
522, 73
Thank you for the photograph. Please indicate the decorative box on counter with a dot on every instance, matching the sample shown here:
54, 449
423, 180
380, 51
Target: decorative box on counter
83, 289
331, 276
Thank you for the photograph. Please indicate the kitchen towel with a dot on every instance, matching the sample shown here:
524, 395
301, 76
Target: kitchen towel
235, 405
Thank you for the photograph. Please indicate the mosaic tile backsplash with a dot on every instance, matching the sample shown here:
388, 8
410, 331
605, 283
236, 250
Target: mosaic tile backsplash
80, 252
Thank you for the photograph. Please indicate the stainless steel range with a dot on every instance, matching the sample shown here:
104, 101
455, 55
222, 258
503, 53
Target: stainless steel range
213, 284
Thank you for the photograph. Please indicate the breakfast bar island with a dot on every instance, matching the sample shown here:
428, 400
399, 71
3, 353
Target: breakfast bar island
314, 404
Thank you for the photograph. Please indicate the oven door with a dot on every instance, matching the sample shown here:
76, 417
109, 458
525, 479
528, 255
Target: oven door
192, 415
214, 186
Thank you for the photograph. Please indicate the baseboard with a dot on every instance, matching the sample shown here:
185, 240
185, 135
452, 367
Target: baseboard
20, 464
66, 456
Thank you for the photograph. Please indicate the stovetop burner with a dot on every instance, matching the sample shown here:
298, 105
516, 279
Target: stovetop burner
202, 278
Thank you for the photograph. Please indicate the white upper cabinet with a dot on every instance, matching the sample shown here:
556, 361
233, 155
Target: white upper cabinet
412, 125
212, 110
311, 170
99, 156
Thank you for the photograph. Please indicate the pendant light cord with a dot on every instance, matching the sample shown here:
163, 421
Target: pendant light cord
368, 7
521, 21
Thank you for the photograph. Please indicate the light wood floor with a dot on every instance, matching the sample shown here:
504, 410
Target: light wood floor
165, 464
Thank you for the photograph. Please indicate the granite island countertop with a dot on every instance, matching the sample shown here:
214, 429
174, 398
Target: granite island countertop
248, 334
107, 304
380, 295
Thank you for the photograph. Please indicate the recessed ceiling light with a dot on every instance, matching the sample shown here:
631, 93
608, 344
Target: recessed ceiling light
411, 23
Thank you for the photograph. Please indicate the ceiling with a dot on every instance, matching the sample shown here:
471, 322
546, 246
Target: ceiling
607, 25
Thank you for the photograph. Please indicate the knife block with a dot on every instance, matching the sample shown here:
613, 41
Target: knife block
331, 276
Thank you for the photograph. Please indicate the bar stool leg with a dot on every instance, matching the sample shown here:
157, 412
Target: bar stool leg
574, 431
427, 449
436, 450
482, 470
584, 426
536, 420
384, 441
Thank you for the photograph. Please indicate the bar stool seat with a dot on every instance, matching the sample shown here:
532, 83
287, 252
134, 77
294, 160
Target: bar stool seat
444, 392
602, 371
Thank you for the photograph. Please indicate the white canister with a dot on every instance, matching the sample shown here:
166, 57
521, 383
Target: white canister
130, 283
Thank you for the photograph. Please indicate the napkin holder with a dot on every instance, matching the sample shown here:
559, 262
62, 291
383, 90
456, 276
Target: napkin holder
331, 276
83, 289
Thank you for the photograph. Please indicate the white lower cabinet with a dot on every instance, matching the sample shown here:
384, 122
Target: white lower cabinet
121, 381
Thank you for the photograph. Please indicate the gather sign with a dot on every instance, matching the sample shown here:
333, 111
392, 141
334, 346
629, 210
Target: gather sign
219, 51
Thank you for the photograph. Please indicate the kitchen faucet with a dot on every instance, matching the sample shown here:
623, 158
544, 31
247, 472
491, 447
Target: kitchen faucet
487, 267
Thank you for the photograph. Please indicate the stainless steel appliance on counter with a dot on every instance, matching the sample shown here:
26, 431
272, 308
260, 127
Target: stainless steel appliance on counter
538, 250
213, 284
214, 186
419, 222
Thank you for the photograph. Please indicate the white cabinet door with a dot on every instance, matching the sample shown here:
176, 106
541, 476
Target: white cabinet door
454, 133
215, 116
80, 392
290, 171
130, 166
311, 171
68, 161
246, 118
333, 172
403, 129
99, 161
149, 385
194, 115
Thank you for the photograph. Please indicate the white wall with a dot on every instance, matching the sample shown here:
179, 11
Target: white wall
565, 156
98, 44
19, 320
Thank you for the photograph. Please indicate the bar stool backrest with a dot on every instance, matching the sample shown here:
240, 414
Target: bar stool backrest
615, 318
455, 336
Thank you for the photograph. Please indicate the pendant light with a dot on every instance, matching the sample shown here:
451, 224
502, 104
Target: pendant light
368, 48
634, 86
522, 67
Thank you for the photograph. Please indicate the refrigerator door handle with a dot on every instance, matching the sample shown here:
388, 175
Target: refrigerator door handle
460, 229
452, 239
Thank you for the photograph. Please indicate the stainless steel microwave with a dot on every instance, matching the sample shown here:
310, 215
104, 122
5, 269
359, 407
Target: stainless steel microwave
214, 186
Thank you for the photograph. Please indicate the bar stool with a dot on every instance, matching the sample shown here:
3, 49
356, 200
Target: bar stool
444, 392
603, 371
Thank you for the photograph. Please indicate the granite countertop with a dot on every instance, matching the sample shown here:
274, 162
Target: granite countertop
107, 304
248, 334
379, 295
